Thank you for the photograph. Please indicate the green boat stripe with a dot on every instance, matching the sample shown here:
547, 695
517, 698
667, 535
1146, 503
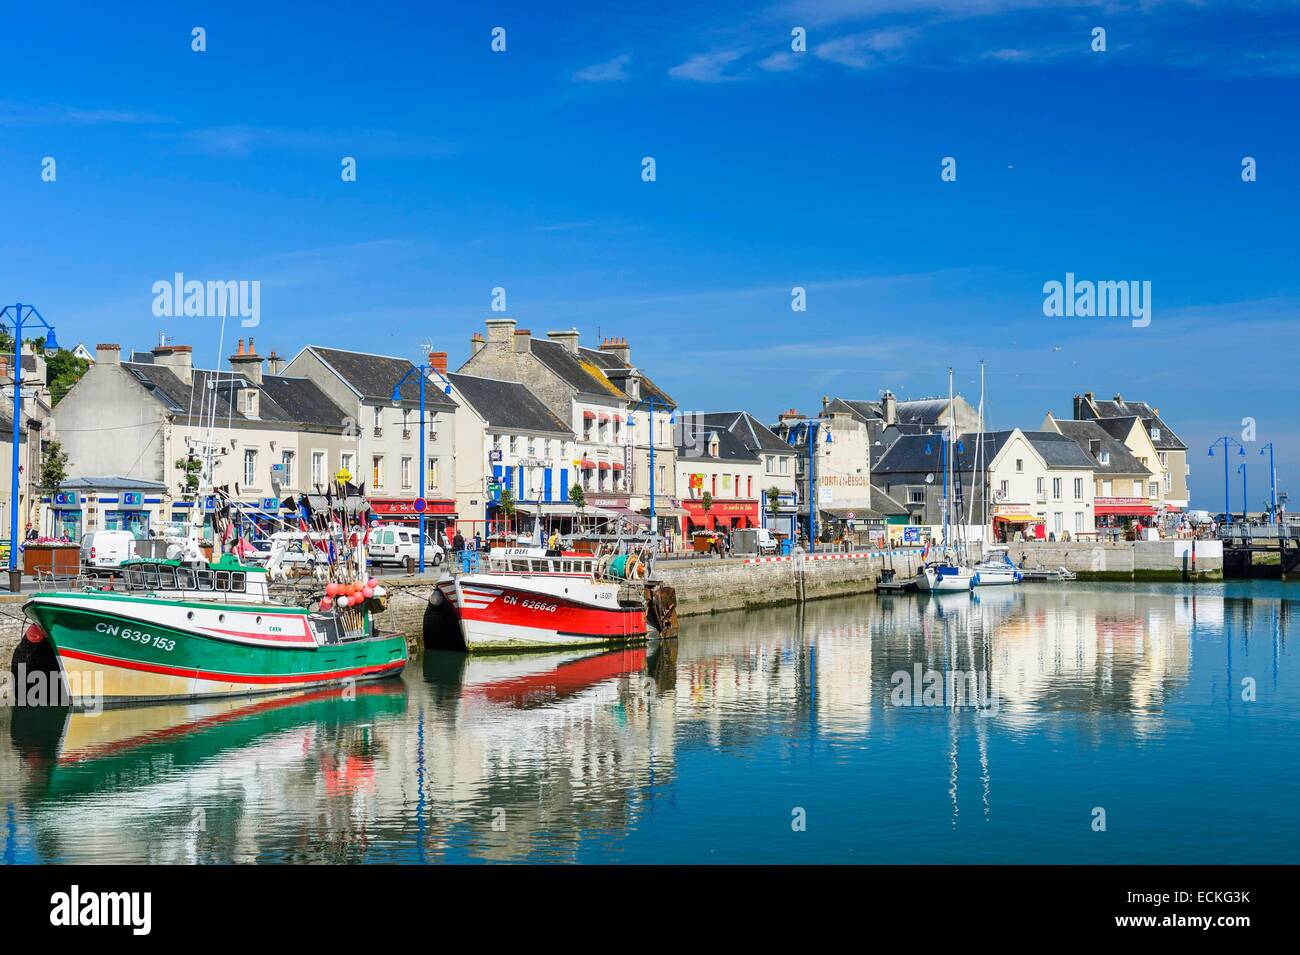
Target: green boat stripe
195, 605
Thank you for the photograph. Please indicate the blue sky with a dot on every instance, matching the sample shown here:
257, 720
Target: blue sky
522, 170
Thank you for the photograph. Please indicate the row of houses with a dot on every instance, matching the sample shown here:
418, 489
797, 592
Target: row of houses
548, 432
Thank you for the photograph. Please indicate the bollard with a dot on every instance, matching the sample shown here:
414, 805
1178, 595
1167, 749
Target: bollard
410, 566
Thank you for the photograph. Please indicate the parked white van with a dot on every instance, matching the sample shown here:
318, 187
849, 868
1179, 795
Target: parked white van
105, 550
393, 543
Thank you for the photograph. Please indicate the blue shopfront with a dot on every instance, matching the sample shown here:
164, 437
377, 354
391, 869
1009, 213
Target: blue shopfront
113, 503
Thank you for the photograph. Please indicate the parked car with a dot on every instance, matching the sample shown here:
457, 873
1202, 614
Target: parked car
393, 543
105, 550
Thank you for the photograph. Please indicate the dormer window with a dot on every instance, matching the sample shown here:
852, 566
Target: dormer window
1155, 434
1104, 457
713, 445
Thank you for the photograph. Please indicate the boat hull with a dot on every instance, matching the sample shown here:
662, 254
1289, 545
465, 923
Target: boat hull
935, 580
115, 649
498, 613
997, 576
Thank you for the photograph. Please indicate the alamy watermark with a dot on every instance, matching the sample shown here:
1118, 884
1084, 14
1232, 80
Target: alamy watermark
40, 687
1087, 299
950, 689
212, 299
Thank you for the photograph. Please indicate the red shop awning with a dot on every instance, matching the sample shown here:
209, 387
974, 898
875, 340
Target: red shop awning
588, 464
589, 415
618, 466
603, 416
604, 465
1125, 510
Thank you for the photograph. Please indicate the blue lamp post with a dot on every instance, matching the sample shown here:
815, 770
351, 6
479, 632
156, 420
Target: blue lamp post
1245, 503
20, 316
649, 404
1227, 442
422, 371
1272, 483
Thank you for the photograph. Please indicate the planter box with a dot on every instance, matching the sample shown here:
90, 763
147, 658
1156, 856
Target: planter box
63, 559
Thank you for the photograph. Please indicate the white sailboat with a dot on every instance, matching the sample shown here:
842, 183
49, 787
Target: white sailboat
995, 567
947, 573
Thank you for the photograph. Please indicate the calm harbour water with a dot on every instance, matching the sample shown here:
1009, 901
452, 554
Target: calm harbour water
1123, 697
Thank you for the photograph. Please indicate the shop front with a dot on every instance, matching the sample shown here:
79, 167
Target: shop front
439, 514
81, 505
1116, 514
728, 515
785, 519
1017, 524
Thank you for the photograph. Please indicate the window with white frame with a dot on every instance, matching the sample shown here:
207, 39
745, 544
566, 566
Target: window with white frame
345, 462
286, 458
1078, 522
405, 470
431, 473
317, 467
250, 467
1078, 489
379, 417
1056, 489
377, 471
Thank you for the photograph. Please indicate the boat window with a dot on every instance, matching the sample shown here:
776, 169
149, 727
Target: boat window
204, 578
237, 583
185, 578
134, 579
167, 578
223, 580
150, 572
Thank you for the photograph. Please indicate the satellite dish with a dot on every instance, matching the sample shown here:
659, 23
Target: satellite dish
929, 479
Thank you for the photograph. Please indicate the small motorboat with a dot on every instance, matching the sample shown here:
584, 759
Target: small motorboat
998, 568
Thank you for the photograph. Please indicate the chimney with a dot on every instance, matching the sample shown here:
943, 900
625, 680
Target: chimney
567, 338
889, 408
1079, 406
475, 344
617, 347
825, 402
108, 354
438, 361
179, 358
247, 363
500, 332
1119, 399
275, 364
790, 414
523, 341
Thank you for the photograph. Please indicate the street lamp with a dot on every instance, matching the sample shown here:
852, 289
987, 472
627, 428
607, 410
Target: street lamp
1272, 483
1245, 503
1227, 442
650, 403
19, 316
423, 372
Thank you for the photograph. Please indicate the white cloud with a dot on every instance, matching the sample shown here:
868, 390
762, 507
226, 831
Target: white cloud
862, 50
706, 67
610, 71
782, 61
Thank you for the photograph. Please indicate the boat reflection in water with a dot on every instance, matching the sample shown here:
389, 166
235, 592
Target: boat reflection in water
178, 782
1075, 696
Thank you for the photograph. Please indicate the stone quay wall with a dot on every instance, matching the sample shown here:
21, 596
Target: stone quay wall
1127, 560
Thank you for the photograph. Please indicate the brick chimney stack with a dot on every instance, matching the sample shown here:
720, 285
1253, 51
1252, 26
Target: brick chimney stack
475, 343
618, 347
275, 364
438, 361
247, 363
179, 358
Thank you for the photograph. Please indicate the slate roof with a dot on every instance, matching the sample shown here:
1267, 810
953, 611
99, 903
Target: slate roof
1059, 450
508, 405
1121, 460
572, 371
287, 401
606, 362
1118, 407
750, 430
693, 442
913, 412
1118, 428
373, 376
884, 503
908, 454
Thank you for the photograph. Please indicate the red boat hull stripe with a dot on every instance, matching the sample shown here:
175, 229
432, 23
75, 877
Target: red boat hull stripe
230, 677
